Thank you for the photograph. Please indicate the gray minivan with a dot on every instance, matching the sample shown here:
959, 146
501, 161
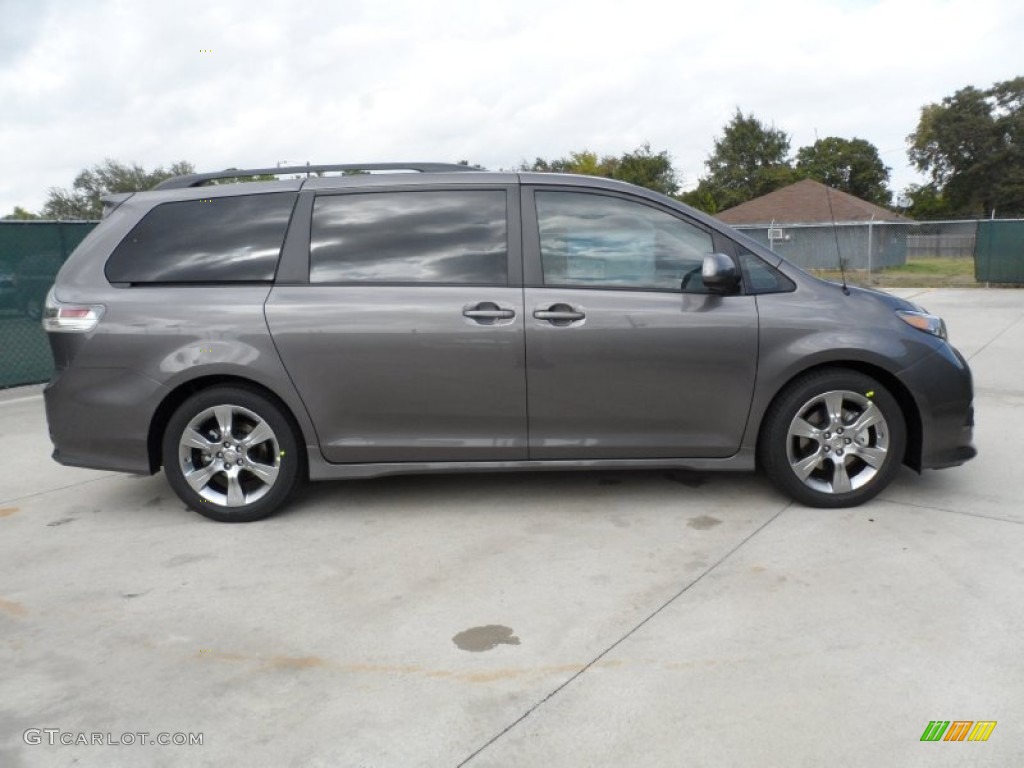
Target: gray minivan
434, 318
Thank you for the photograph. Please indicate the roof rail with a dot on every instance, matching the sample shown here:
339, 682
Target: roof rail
199, 179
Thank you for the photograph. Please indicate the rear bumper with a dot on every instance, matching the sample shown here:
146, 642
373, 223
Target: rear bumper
942, 386
99, 418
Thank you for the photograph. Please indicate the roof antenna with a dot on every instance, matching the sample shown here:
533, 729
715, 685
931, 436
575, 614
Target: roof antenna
835, 230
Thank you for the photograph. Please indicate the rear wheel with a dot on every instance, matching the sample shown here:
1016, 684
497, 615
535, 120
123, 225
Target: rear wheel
231, 454
833, 438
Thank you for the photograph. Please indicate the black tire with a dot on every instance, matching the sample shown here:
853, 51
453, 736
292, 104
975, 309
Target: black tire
248, 479
848, 459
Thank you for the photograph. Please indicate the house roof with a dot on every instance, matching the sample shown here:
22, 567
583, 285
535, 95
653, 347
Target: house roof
806, 202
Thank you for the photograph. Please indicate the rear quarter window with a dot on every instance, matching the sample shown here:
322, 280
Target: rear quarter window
214, 240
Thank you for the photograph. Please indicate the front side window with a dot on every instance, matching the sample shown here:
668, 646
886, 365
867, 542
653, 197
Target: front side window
762, 278
439, 237
215, 240
600, 241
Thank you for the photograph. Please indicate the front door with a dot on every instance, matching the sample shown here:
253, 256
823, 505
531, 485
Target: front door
627, 355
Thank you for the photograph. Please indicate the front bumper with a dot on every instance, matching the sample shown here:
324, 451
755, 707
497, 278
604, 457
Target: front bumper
941, 385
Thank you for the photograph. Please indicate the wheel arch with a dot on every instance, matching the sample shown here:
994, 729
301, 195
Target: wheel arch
181, 393
912, 455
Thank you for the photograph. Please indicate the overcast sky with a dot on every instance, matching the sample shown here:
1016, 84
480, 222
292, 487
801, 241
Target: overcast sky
246, 84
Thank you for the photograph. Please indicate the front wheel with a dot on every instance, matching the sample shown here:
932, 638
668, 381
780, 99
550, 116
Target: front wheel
833, 438
231, 454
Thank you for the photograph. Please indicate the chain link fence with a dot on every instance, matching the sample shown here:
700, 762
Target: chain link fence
860, 245
31, 252
995, 248
869, 246
942, 239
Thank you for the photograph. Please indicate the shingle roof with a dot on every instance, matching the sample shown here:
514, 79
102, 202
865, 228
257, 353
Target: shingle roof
806, 202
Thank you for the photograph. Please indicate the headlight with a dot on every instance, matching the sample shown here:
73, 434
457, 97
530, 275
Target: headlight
923, 321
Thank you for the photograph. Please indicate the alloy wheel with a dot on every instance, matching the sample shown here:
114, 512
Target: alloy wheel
837, 442
229, 455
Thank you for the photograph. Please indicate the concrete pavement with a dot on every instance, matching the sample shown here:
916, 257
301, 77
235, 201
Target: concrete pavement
519, 620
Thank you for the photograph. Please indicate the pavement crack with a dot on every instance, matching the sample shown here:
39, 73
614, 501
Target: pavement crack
933, 508
622, 639
60, 488
919, 293
994, 338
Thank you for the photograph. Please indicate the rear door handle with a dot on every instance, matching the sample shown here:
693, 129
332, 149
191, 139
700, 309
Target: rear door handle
559, 314
486, 312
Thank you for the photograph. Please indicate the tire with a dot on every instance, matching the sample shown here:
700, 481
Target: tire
232, 454
822, 416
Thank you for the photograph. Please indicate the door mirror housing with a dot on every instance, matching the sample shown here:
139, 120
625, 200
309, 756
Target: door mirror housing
719, 274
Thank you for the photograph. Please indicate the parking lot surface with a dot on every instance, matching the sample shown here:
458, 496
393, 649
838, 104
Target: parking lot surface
577, 619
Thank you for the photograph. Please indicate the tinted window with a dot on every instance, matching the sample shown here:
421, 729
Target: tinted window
761, 277
220, 239
600, 241
410, 237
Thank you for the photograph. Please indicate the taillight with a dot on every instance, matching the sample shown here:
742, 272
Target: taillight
70, 318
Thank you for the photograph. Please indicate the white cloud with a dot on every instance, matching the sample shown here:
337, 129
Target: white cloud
491, 83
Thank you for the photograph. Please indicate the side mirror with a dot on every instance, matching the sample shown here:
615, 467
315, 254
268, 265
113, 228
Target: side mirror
719, 274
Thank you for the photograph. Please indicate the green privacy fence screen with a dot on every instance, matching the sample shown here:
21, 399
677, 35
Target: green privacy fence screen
31, 252
999, 252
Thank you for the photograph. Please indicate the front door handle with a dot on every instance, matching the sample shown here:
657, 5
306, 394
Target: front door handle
486, 312
559, 314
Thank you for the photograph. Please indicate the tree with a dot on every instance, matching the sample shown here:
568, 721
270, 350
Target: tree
647, 169
584, 162
20, 214
701, 198
749, 160
972, 147
241, 179
642, 167
849, 165
83, 201
927, 203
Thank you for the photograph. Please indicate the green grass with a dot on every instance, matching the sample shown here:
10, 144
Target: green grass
938, 268
923, 273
